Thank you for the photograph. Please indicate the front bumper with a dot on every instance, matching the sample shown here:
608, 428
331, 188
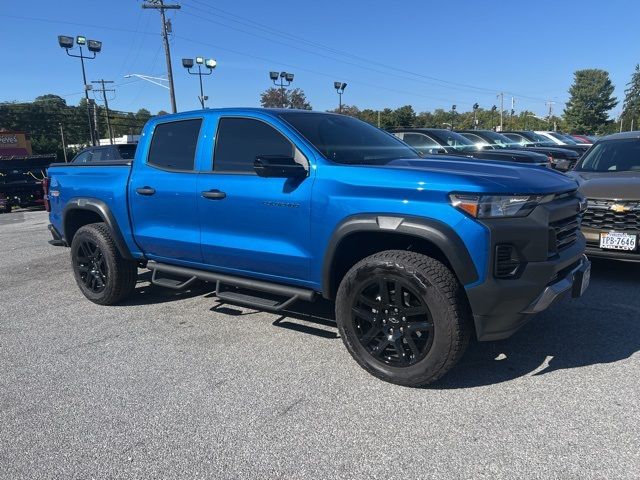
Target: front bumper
501, 306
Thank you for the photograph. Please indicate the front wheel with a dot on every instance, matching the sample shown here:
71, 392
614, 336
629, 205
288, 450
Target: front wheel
403, 317
102, 274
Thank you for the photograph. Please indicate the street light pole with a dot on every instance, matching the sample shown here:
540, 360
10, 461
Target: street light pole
209, 63
339, 86
282, 76
159, 5
475, 115
94, 46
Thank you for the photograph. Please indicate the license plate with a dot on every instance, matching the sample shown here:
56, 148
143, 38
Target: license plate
618, 241
581, 281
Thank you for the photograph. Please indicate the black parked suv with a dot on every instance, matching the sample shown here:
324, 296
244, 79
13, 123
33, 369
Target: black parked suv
106, 153
560, 158
437, 140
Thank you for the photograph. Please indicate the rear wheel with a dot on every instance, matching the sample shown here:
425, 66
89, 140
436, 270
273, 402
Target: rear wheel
102, 274
403, 317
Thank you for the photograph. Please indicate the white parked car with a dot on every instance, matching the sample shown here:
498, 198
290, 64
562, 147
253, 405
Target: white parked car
560, 139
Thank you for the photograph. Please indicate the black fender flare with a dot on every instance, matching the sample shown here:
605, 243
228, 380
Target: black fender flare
438, 233
104, 212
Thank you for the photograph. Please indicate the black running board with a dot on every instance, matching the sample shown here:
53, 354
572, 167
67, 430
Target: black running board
290, 293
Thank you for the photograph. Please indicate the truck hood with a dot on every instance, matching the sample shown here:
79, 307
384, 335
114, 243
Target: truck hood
486, 176
609, 185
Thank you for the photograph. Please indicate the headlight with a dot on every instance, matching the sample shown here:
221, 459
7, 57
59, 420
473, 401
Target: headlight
497, 206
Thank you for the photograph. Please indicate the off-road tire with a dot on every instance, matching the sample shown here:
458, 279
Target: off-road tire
441, 292
121, 274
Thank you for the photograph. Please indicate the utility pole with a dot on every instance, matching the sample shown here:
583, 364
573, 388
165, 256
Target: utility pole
501, 96
95, 121
64, 146
159, 5
513, 110
106, 103
550, 104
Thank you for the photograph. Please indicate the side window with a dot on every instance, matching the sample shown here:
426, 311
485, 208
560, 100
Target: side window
400, 135
420, 142
102, 155
84, 157
173, 145
240, 140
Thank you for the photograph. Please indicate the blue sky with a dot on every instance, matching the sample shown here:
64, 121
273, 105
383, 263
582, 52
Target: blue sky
426, 54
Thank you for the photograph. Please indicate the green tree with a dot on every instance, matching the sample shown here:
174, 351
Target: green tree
590, 101
631, 109
284, 98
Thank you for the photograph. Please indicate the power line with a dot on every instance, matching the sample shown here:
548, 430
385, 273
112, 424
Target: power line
253, 24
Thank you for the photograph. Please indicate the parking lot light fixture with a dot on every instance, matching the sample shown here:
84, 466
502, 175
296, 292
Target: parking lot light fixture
210, 63
65, 41
282, 77
94, 46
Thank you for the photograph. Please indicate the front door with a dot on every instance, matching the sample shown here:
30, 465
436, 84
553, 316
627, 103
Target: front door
251, 224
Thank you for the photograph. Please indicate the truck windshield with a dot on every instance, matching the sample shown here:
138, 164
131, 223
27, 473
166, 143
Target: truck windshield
612, 156
498, 139
348, 140
453, 140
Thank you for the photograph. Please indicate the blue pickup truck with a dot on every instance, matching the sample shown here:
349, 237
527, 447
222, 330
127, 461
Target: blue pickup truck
277, 206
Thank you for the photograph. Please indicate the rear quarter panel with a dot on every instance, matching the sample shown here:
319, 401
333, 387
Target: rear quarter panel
107, 183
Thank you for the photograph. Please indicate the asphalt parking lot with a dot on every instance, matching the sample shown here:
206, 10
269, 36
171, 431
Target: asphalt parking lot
178, 385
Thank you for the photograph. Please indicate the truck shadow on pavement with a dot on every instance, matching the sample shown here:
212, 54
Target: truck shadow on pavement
601, 327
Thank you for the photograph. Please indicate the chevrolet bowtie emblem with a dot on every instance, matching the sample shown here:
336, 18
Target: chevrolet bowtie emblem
618, 208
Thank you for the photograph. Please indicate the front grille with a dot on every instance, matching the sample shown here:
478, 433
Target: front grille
564, 232
602, 215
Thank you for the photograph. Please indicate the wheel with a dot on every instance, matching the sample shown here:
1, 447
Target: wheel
104, 277
7, 208
403, 317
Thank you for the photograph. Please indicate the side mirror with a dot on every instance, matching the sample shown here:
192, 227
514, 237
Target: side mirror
275, 166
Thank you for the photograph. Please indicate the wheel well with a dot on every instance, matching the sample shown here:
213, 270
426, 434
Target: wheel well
76, 218
359, 245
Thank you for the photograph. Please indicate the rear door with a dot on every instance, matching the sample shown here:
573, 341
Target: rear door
254, 225
162, 193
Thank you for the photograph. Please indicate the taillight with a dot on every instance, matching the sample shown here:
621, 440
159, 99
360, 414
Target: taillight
45, 188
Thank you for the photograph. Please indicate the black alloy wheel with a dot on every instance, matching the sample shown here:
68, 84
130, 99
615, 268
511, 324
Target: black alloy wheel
392, 322
92, 266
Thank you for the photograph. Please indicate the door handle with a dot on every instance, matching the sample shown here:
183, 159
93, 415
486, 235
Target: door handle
145, 191
214, 194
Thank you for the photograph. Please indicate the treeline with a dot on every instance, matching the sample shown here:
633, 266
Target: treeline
406, 116
43, 118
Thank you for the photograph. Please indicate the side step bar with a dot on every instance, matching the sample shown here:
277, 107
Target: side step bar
293, 293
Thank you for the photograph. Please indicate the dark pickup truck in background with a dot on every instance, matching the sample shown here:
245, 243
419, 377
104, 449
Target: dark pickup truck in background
21, 180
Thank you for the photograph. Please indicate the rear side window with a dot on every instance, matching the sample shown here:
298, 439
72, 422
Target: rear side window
173, 145
127, 152
103, 155
84, 157
240, 140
